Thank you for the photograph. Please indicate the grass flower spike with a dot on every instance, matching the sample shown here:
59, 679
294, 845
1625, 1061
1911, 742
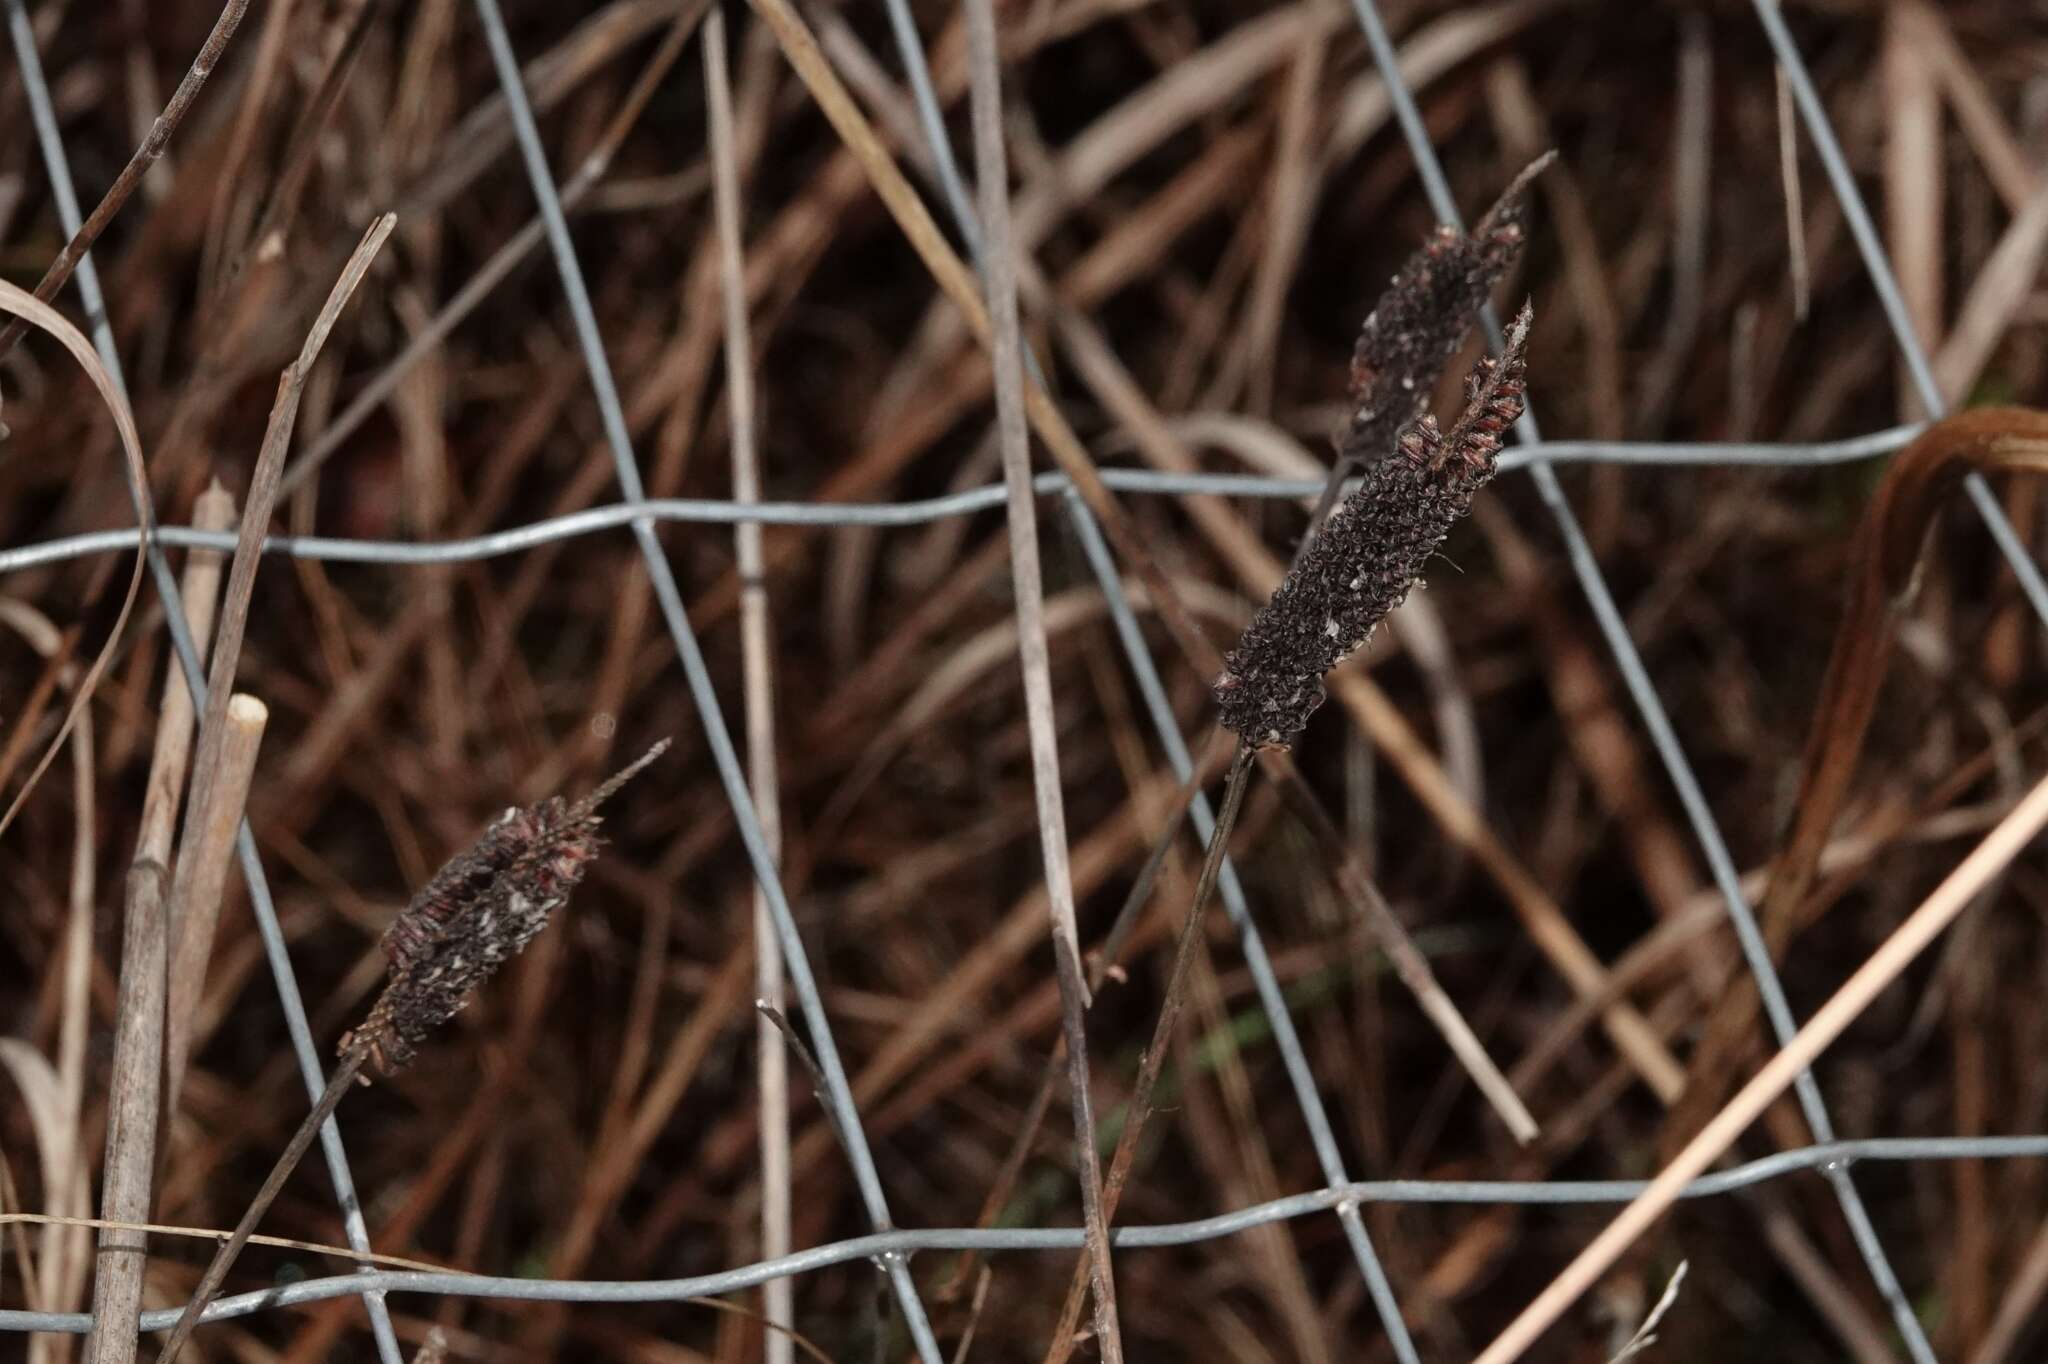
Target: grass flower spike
475, 914
1367, 555
479, 911
1423, 318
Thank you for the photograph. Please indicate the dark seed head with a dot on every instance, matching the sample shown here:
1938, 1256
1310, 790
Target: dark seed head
479, 911
1423, 318
1368, 553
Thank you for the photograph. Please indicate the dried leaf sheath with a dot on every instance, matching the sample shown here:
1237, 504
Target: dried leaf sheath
1367, 555
480, 910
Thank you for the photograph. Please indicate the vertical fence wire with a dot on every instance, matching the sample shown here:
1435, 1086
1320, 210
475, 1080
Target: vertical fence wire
703, 694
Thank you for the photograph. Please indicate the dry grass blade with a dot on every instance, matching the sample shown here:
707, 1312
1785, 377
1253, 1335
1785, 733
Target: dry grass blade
1994, 301
1800, 274
1886, 558
1646, 1335
1893, 956
34, 312
40, 1219
1007, 355
198, 594
40, 1093
758, 663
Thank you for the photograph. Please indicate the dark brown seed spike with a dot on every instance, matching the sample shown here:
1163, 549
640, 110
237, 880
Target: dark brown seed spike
480, 910
1423, 318
1370, 552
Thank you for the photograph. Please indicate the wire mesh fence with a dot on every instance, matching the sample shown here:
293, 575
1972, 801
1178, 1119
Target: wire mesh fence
888, 1247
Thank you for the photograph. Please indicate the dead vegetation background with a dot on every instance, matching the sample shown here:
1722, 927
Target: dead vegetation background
1215, 190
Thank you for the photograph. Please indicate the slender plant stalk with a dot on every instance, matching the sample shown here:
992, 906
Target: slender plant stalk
1007, 357
771, 1060
345, 1073
1363, 562
200, 886
1101, 962
132, 1100
1139, 1109
138, 165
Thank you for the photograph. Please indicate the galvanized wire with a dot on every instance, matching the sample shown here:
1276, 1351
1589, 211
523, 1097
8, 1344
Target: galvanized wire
920, 511
838, 1092
1554, 1193
889, 1248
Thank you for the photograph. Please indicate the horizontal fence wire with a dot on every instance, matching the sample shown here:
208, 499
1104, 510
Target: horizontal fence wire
1554, 1193
889, 1248
921, 511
